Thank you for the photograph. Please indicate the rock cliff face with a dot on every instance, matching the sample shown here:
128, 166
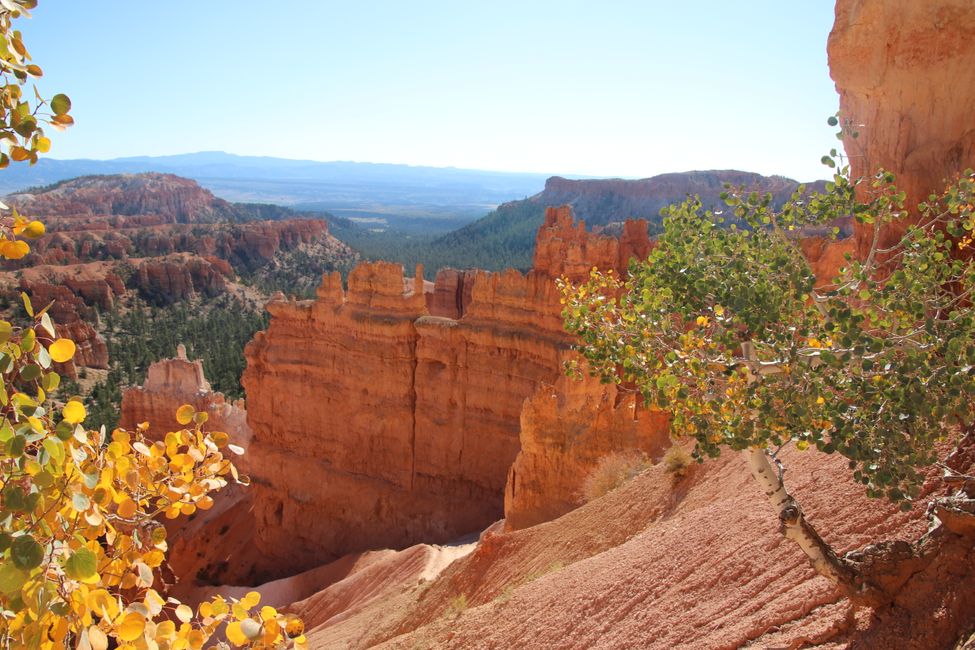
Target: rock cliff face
416, 415
903, 71
173, 382
566, 428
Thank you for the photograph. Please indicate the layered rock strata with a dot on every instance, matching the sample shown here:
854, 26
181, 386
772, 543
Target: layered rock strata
396, 412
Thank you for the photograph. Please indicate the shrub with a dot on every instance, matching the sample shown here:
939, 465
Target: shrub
612, 471
676, 460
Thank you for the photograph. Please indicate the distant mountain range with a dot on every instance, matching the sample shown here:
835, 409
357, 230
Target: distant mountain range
404, 196
506, 236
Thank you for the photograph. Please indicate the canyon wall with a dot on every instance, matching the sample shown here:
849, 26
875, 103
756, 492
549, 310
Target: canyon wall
903, 70
379, 421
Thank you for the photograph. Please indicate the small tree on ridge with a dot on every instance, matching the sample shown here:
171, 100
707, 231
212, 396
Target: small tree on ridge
725, 327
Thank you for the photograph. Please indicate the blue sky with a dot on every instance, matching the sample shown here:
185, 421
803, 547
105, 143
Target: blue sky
611, 88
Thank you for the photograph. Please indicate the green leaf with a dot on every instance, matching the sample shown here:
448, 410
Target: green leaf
81, 565
60, 104
16, 446
30, 372
26, 552
12, 579
54, 447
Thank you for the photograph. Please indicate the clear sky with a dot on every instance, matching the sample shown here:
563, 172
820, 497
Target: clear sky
607, 88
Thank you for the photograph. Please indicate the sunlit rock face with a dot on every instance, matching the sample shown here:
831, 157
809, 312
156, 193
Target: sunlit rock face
903, 70
381, 421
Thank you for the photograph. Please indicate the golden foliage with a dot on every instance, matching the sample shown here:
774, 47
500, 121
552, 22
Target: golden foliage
81, 545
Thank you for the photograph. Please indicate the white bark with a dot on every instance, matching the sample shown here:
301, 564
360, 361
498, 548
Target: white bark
792, 523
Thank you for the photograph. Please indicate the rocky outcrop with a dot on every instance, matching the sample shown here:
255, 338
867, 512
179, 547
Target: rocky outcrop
564, 248
172, 198
416, 416
173, 382
162, 281
565, 430
903, 71
91, 351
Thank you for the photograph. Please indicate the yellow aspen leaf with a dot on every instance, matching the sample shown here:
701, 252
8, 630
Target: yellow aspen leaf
251, 629
74, 412
184, 613
184, 414
235, 635
62, 350
272, 632
154, 602
251, 599
220, 606
268, 613
718, 310
196, 639
34, 229
204, 503
154, 558
187, 509
130, 626
127, 508
14, 250
97, 638
158, 535
820, 400
165, 630
295, 627
102, 603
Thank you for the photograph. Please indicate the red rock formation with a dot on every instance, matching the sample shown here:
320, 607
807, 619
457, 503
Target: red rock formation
173, 198
608, 200
903, 71
173, 382
565, 430
415, 416
827, 257
565, 248
452, 293
660, 564
177, 277
91, 351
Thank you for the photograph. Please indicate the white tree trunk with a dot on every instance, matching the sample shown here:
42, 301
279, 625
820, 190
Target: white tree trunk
794, 526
